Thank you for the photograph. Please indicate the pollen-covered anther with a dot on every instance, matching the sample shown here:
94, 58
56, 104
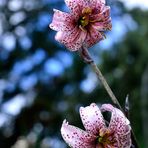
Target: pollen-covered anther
84, 20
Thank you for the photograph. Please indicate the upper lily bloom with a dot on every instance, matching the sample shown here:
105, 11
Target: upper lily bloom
84, 25
98, 135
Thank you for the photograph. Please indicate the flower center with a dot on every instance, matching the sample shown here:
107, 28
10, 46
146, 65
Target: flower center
105, 137
84, 19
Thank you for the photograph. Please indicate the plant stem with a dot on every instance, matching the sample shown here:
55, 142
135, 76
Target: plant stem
105, 84
87, 58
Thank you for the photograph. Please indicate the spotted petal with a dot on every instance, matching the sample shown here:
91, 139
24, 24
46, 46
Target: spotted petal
73, 40
93, 36
119, 124
77, 138
62, 21
76, 7
92, 118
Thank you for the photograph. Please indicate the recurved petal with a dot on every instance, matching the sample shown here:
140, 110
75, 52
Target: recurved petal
118, 123
93, 37
92, 118
62, 21
95, 3
125, 140
73, 40
77, 138
76, 7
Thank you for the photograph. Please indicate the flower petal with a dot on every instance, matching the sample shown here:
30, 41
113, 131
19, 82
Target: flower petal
62, 21
76, 7
92, 118
77, 138
93, 36
95, 3
118, 123
102, 21
73, 40
125, 141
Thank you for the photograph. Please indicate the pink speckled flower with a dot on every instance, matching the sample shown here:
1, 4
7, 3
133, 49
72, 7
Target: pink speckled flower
98, 135
84, 25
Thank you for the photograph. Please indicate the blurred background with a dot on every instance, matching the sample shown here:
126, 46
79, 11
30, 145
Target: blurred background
42, 83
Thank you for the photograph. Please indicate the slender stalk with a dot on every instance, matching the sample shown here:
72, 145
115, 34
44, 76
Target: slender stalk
105, 84
87, 58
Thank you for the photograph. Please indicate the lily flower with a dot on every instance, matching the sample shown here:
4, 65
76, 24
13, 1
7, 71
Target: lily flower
98, 135
84, 25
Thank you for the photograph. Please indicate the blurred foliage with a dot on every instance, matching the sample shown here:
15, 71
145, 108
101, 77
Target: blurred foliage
50, 83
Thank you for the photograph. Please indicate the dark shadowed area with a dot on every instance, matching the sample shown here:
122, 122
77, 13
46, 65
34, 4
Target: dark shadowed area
42, 83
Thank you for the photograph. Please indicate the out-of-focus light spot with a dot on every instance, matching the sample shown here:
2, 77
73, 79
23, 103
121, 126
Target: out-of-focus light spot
3, 84
39, 56
28, 82
2, 3
68, 90
21, 67
89, 84
15, 105
62, 106
25, 42
15, 5
30, 5
20, 31
9, 41
38, 128
21, 143
53, 67
44, 115
116, 35
130, 4
17, 17
129, 22
66, 58
1, 23
3, 119
52, 142
43, 21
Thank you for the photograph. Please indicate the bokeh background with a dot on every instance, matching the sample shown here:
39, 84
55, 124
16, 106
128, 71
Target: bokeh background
42, 83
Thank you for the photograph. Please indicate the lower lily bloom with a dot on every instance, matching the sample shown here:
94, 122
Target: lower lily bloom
98, 135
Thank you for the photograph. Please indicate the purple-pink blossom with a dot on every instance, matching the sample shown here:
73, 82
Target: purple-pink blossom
97, 134
84, 25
